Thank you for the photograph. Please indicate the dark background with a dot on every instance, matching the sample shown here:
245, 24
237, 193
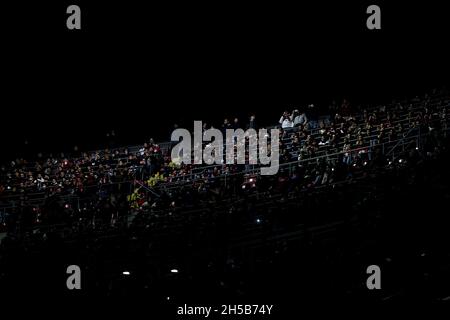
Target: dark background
137, 69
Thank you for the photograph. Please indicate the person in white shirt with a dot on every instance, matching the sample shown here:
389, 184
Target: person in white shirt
286, 120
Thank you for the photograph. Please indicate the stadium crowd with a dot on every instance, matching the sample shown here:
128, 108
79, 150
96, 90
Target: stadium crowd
314, 151
223, 239
129, 208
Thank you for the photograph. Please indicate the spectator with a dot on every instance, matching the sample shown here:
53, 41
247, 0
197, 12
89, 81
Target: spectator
252, 123
347, 155
226, 125
313, 116
300, 118
286, 120
236, 124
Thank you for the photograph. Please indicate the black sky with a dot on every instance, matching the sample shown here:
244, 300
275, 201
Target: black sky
138, 69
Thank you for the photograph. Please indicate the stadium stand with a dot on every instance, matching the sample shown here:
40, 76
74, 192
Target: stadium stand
135, 200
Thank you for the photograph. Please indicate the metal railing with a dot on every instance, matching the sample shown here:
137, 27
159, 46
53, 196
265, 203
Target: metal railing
252, 169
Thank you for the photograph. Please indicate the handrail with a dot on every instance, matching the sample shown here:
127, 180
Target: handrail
202, 209
281, 166
401, 140
147, 188
322, 156
126, 158
167, 143
136, 167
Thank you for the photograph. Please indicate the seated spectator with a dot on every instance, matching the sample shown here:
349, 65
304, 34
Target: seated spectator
324, 141
359, 141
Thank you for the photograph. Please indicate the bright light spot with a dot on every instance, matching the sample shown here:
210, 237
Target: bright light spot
126, 273
174, 270
258, 220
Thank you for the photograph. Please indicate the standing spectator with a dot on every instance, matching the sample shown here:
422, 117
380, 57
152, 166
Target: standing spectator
345, 108
236, 124
347, 155
313, 116
300, 118
252, 123
226, 125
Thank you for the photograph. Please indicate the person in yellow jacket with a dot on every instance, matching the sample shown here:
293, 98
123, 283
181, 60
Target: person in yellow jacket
134, 198
155, 179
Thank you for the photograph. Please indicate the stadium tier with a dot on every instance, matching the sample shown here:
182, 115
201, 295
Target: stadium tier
140, 224
352, 138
